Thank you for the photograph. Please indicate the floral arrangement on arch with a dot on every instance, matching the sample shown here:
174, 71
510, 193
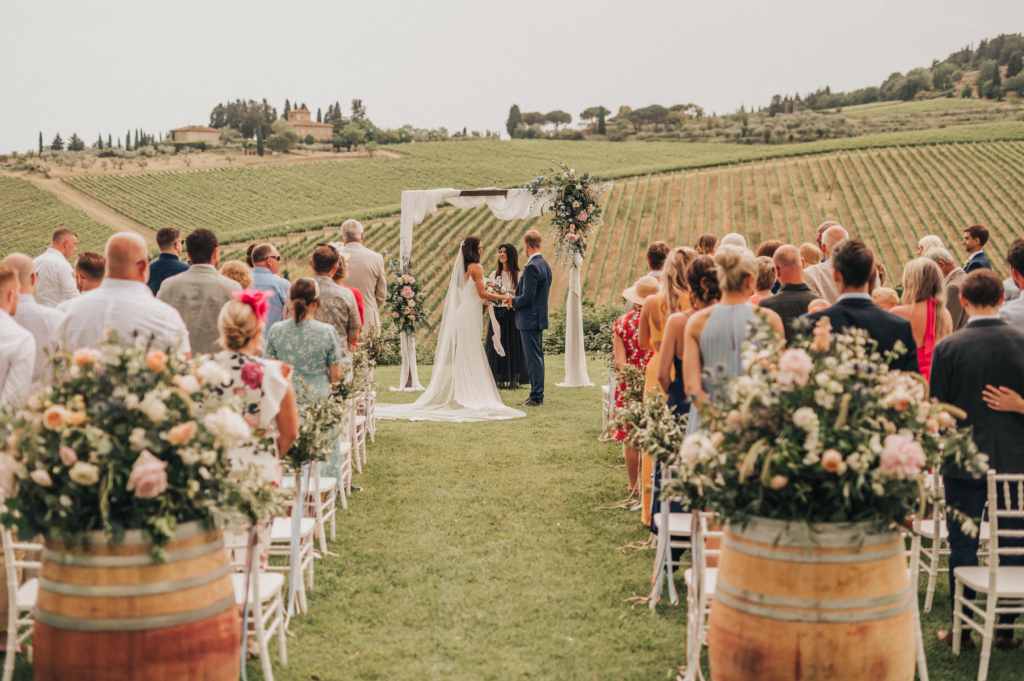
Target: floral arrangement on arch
576, 210
125, 438
821, 432
405, 297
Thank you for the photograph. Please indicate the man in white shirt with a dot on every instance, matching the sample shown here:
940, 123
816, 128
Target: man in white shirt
56, 278
820, 278
17, 347
42, 322
124, 304
89, 269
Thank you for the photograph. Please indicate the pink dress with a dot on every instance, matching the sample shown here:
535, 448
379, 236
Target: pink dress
924, 353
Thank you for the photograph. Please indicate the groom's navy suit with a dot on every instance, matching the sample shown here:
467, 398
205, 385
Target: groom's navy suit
531, 306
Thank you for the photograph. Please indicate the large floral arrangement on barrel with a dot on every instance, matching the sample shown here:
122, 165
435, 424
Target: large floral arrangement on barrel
125, 438
576, 211
821, 432
405, 297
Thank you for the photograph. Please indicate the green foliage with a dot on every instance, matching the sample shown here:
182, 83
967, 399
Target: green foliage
259, 142
57, 144
1014, 65
309, 139
75, 143
29, 214
281, 142
598, 324
351, 136
515, 117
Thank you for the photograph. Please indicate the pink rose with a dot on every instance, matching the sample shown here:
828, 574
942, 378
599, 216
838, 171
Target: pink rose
252, 375
156, 360
407, 292
41, 477
572, 237
395, 315
582, 217
795, 366
182, 433
779, 481
832, 461
902, 457
68, 456
149, 476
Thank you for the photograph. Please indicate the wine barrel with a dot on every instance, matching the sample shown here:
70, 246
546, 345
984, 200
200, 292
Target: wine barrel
832, 602
109, 612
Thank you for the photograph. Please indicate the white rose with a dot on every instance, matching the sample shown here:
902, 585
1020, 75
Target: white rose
805, 418
153, 407
822, 379
65, 501
212, 373
131, 400
208, 457
84, 473
137, 439
229, 426
187, 383
189, 456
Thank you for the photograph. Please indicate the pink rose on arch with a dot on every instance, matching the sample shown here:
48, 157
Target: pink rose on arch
68, 456
902, 457
572, 237
794, 367
395, 315
252, 375
407, 292
582, 217
148, 478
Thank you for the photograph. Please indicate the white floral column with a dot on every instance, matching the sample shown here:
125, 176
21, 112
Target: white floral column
575, 352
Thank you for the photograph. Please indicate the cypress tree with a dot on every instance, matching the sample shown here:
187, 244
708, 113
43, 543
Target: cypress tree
99, 143
287, 108
108, 141
40, 141
600, 121
128, 141
319, 119
515, 117
259, 140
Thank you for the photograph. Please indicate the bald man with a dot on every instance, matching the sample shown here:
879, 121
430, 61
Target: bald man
821, 277
41, 321
794, 295
124, 304
17, 347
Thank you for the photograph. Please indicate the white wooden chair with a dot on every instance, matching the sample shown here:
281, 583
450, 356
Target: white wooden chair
607, 403
321, 498
367, 401
674, 531
280, 545
700, 580
1000, 589
265, 600
21, 598
914, 576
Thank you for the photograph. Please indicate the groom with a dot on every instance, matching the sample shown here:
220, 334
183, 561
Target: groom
531, 306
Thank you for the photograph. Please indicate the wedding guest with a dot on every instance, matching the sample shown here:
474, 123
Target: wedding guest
238, 272
56, 278
980, 370
509, 371
1010, 290
953, 279
42, 322
312, 349
975, 238
656, 254
928, 242
89, 270
822, 228
17, 347
794, 295
821, 277
885, 298
200, 292
168, 263
810, 254
337, 304
339, 278
852, 262
766, 279
881, 274
248, 254
1013, 312
734, 239
714, 336
626, 344
266, 264
706, 244
365, 272
817, 305
924, 305
768, 248
124, 304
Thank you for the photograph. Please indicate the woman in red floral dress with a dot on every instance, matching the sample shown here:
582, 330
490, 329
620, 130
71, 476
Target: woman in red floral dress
628, 351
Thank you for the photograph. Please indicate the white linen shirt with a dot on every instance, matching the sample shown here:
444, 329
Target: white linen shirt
127, 307
43, 323
17, 356
56, 279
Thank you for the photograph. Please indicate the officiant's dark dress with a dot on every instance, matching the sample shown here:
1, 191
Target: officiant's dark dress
509, 371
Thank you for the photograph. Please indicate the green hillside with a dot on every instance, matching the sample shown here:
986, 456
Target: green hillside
28, 216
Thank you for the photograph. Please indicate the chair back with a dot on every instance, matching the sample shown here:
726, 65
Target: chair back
709, 541
237, 546
1005, 500
10, 563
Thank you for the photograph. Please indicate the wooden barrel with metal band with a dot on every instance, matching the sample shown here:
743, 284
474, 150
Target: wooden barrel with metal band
795, 603
111, 611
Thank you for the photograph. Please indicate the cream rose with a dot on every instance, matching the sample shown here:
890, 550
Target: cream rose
84, 473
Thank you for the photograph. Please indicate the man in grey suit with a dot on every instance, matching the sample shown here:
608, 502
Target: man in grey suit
365, 272
955, 276
200, 292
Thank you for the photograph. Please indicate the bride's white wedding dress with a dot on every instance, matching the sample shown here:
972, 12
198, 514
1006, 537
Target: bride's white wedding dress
461, 385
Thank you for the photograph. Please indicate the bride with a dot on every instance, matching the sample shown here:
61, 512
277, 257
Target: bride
461, 385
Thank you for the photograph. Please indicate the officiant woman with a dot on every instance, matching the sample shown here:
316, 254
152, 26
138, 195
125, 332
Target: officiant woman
509, 371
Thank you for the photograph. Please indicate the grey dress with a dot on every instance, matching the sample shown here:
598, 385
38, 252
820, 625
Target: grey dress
721, 341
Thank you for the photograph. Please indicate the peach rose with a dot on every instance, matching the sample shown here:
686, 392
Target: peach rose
779, 481
156, 360
76, 418
84, 356
946, 420
831, 460
183, 433
55, 417
68, 456
148, 478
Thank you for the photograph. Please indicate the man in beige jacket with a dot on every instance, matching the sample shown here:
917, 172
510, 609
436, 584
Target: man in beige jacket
365, 272
821, 277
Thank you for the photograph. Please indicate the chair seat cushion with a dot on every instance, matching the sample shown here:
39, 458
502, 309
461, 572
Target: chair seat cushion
27, 594
270, 586
928, 530
1009, 580
679, 524
605, 389
281, 530
710, 578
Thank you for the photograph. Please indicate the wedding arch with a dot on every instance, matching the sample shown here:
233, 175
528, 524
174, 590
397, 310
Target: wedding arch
511, 204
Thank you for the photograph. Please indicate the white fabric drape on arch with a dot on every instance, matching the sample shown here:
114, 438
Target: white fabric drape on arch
575, 352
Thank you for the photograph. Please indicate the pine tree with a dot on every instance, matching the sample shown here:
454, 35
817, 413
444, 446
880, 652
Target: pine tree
515, 117
319, 118
600, 121
57, 144
40, 141
996, 80
259, 140
75, 143
1015, 64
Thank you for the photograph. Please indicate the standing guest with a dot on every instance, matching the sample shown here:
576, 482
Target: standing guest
17, 347
1013, 312
714, 337
822, 228
768, 248
365, 272
924, 305
337, 304
852, 261
706, 244
267, 263
981, 371
200, 292
238, 272
626, 343
927, 243
168, 263
656, 254
734, 239
953, 278
42, 322
509, 371
766, 279
817, 305
1010, 290
339, 278
56, 278
248, 254
975, 238
811, 255
821, 277
124, 304
794, 295
89, 270
885, 298
881, 274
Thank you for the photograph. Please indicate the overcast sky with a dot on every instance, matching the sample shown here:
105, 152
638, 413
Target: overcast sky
106, 66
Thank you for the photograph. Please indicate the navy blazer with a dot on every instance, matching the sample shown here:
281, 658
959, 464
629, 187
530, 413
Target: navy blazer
977, 263
885, 328
531, 301
165, 265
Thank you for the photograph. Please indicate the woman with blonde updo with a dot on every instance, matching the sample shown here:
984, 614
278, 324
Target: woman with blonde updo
923, 282
236, 270
714, 336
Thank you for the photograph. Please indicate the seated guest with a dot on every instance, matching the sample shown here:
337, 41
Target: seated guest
337, 304
706, 244
817, 305
734, 239
766, 279
1013, 312
852, 261
200, 292
794, 295
238, 272
810, 254
88, 274
56, 278
981, 370
821, 277
168, 263
124, 304
928, 242
17, 347
975, 238
339, 278
266, 264
656, 254
953, 278
42, 322
885, 298
924, 305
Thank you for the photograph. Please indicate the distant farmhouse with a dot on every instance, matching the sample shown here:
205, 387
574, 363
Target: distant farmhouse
195, 133
299, 118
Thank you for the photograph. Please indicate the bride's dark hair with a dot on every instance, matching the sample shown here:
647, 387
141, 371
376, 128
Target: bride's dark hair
471, 251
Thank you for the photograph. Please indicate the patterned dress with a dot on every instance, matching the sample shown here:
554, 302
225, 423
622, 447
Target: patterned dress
627, 327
